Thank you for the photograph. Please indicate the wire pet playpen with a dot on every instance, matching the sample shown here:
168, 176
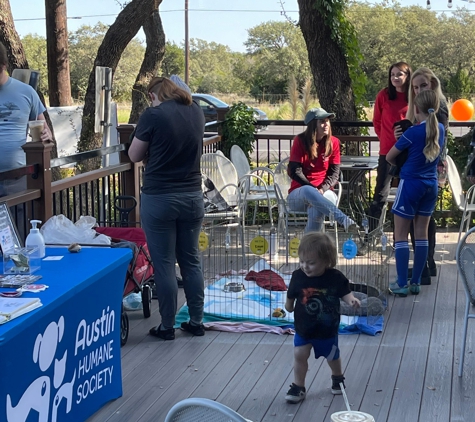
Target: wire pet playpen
247, 274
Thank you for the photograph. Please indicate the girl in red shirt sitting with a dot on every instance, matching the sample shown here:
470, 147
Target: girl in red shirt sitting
314, 167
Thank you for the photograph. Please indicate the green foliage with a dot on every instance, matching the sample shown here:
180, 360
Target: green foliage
212, 66
388, 32
173, 62
459, 149
278, 52
35, 51
83, 46
460, 85
238, 129
343, 33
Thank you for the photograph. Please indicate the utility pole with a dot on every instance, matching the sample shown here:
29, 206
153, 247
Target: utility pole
187, 46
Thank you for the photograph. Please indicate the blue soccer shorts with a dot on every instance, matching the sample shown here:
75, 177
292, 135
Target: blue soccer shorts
326, 347
415, 197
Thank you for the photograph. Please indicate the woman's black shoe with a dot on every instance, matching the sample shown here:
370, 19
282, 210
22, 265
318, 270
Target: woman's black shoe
163, 334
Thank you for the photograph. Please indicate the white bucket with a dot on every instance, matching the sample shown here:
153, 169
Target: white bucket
351, 416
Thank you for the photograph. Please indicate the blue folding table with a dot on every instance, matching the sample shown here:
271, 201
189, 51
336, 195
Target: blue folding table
61, 362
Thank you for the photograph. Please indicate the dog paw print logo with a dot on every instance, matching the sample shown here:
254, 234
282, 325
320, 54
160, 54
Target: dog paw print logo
37, 396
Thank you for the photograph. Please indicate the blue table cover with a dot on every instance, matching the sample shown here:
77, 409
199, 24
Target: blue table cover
61, 362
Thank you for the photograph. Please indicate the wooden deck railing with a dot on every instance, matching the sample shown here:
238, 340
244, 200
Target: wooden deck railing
94, 193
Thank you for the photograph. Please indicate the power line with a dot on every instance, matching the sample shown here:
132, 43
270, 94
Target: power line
228, 10
168, 11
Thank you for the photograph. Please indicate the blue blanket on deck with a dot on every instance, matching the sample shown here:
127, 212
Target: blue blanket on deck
256, 304
372, 325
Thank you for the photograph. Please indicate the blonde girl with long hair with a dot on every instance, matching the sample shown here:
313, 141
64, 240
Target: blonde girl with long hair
417, 190
424, 79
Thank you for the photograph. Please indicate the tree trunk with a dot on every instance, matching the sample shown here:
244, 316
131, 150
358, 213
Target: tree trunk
17, 60
59, 85
155, 38
121, 32
10, 39
328, 65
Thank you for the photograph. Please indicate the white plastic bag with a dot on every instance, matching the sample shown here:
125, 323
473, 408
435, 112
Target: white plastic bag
133, 302
60, 230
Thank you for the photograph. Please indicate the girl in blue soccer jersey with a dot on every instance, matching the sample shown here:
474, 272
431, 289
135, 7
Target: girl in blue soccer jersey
417, 190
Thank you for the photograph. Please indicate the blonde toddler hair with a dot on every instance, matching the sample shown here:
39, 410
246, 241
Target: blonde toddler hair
318, 245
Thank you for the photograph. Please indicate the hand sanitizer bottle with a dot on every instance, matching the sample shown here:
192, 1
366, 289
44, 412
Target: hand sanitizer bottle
35, 238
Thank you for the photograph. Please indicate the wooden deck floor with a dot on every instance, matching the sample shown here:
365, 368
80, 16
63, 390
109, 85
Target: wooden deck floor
407, 374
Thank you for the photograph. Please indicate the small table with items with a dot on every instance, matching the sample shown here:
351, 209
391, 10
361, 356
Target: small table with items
358, 167
62, 360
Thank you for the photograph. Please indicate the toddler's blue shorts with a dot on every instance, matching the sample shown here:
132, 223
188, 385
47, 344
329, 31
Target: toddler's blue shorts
326, 347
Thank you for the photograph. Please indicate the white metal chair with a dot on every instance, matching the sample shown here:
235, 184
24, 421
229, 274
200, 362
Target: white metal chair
465, 257
240, 161
389, 200
217, 166
282, 184
465, 202
224, 177
202, 410
234, 191
262, 179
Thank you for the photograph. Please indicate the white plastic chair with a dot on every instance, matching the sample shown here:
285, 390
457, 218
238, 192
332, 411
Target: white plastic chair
465, 202
465, 257
202, 410
282, 184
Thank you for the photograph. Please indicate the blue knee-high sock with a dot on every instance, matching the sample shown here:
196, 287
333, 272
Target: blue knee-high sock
420, 257
402, 261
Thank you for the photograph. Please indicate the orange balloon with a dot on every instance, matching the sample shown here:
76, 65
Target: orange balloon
462, 110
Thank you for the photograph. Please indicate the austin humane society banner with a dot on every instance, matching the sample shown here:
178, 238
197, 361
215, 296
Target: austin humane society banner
67, 365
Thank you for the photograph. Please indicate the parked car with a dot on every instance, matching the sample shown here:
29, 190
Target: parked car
210, 104
260, 115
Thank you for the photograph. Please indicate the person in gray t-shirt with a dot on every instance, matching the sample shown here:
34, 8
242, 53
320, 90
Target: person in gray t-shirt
19, 103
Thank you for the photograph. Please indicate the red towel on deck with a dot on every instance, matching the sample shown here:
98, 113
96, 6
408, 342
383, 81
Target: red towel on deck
267, 279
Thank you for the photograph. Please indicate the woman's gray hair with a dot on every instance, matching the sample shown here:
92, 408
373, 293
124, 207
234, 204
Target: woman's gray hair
179, 82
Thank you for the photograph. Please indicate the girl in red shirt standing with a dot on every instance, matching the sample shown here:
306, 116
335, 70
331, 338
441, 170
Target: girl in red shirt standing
314, 167
389, 108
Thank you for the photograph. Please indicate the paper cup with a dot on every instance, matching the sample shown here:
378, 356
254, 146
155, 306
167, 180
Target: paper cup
36, 127
351, 416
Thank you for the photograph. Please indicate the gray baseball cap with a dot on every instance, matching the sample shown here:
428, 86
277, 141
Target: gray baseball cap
180, 83
317, 114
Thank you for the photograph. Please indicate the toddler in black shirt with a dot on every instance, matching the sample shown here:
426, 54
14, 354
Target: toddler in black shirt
314, 296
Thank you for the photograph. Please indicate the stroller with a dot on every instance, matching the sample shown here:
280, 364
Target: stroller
139, 276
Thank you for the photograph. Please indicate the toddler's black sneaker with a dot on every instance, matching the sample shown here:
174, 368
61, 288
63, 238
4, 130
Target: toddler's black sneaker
295, 394
336, 388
